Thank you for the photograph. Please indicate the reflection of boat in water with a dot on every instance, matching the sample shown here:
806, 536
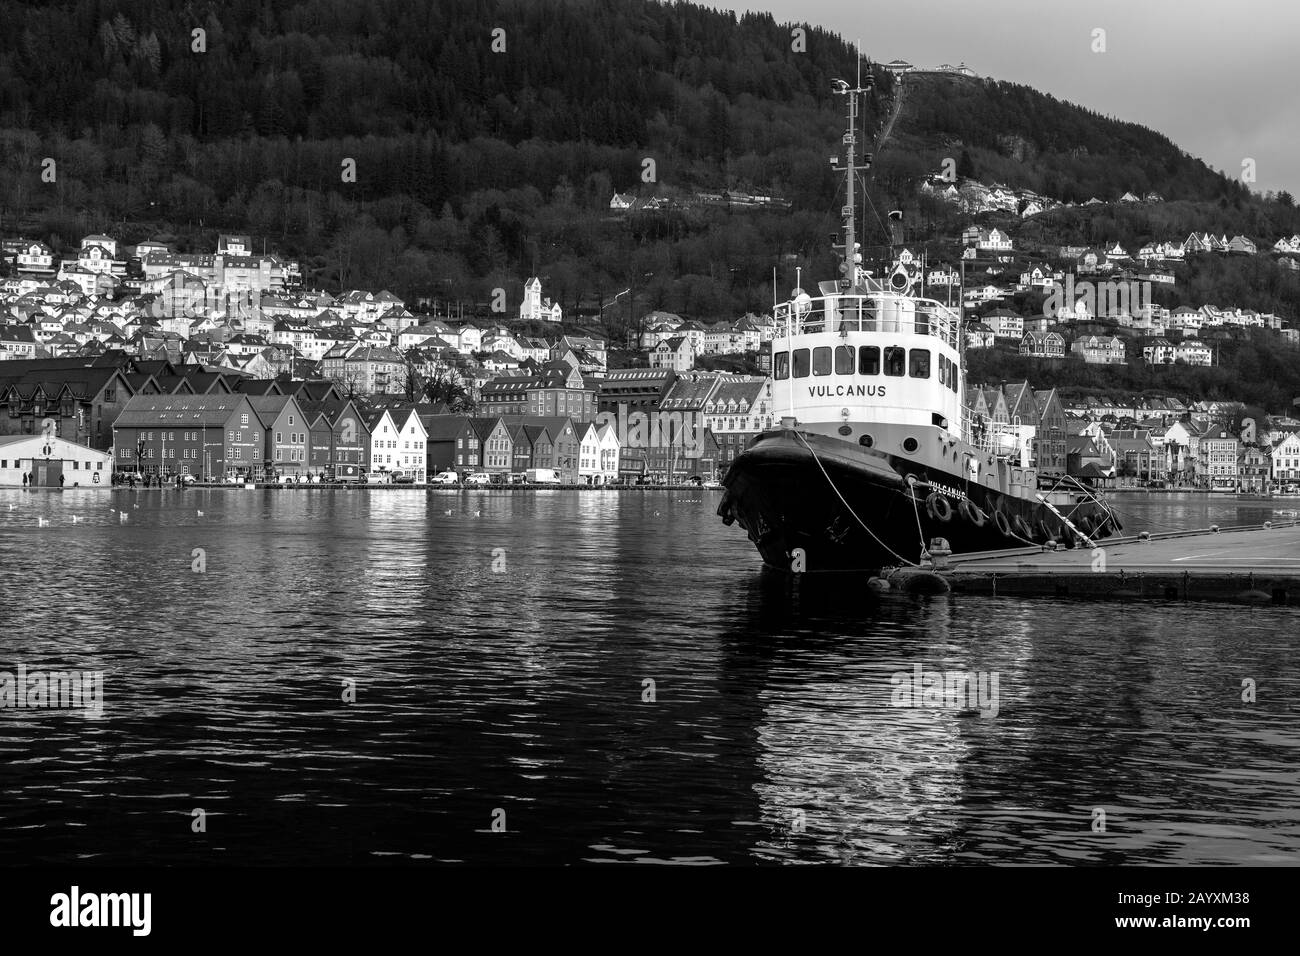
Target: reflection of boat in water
843, 774
878, 454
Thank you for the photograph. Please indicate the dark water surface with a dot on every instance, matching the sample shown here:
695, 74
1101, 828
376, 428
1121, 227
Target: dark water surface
518, 695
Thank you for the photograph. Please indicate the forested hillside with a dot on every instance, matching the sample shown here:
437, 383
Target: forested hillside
488, 137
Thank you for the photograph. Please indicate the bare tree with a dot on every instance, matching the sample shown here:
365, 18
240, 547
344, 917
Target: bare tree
348, 381
412, 380
446, 386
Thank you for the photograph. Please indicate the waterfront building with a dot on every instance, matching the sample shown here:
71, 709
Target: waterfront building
286, 434
496, 446
1219, 454
45, 458
205, 435
339, 440
82, 401
557, 389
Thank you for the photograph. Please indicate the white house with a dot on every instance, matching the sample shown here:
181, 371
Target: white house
589, 469
979, 336
1005, 324
1285, 458
1159, 352
384, 441
1194, 353
537, 308
411, 456
1043, 345
676, 353
36, 258
469, 338
994, 240
609, 452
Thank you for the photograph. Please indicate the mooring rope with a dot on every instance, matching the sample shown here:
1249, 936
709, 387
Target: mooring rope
911, 482
849, 507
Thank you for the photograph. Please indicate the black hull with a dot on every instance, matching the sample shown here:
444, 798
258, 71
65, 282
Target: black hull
786, 499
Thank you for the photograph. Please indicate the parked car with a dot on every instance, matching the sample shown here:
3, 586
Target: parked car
404, 478
446, 478
479, 478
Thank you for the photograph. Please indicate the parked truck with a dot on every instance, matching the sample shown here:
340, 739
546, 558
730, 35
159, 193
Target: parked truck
541, 476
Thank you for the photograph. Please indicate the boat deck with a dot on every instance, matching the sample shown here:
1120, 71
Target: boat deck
1255, 564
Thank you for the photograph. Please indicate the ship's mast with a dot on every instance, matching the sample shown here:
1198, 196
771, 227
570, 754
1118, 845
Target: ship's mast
850, 169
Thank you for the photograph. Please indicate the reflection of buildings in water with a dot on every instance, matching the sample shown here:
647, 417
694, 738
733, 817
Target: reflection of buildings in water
846, 776
391, 557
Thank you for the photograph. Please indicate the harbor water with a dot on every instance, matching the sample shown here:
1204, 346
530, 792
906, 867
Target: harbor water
555, 677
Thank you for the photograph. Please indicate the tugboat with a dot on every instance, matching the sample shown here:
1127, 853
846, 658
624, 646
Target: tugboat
877, 462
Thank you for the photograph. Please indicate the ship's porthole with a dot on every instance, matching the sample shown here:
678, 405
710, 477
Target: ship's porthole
865, 441
845, 430
909, 445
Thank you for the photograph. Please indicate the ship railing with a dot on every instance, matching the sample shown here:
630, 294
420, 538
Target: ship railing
868, 313
986, 434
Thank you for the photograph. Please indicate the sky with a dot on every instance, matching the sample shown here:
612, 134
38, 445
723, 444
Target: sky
1218, 77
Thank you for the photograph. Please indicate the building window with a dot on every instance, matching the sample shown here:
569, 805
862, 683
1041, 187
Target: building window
869, 360
844, 360
822, 360
800, 363
919, 363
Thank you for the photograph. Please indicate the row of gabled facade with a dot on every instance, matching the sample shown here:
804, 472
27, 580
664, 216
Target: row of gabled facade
1017, 416
1191, 451
267, 436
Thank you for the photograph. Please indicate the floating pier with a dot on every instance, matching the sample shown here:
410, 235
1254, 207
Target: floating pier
1255, 564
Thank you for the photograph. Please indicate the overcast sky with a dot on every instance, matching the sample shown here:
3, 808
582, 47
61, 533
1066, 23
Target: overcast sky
1218, 77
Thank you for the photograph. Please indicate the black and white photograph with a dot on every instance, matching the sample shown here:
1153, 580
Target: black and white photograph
814, 444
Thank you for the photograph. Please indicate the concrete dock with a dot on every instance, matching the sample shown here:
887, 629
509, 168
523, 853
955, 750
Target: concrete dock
1257, 564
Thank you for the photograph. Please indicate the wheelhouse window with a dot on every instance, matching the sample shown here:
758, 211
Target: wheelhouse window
895, 360
918, 363
943, 370
822, 360
800, 363
844, 360
869, 360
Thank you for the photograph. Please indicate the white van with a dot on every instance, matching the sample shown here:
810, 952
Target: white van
541, 476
